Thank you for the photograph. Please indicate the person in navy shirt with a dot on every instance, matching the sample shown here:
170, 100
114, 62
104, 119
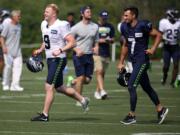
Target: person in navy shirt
137, 33
102, 60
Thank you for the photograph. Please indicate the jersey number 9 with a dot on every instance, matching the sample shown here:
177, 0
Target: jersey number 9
47, 41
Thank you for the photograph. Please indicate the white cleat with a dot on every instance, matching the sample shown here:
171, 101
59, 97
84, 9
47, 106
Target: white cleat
97, 95
16, 88
103, 94
5, 87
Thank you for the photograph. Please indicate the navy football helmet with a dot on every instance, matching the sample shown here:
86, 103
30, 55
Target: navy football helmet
34, 63
123, 78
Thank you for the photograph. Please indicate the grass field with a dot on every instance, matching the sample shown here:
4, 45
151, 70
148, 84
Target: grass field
16, 109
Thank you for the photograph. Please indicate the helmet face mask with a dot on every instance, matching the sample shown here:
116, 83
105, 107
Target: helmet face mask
123, 78
35, 64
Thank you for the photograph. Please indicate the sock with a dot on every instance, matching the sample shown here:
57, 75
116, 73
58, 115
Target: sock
83, 100
45, 114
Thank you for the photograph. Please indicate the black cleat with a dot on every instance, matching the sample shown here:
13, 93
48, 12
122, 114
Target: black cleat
162, 115
40, 117
129, 119
163, 80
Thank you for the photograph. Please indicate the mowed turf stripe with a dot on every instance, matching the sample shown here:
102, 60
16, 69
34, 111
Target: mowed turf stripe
93, 123
43, 133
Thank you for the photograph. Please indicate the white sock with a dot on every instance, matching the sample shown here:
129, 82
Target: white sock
83, 100
45, 114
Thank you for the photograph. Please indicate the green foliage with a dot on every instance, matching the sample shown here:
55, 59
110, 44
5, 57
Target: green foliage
32, 12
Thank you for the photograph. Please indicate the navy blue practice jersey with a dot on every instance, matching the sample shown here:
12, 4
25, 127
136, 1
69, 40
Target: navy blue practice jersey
137, 39
106, 31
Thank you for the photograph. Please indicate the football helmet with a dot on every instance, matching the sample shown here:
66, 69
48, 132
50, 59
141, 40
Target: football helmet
34, 63
172, 14
4, 13
123, 78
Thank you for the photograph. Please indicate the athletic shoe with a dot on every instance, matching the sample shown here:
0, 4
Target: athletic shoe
85, 104
172, 85
163, 80
97, 95
69, 81
40, 117
103, 94
129, 119
5, 87
162, 115
16, 88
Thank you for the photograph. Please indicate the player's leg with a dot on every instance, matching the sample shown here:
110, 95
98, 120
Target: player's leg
145, 83
132, 85
99, 76
175, 57
71, 92
105, 62
16, 74
8, 62
166, 64
79, 67
55, 71
1, 62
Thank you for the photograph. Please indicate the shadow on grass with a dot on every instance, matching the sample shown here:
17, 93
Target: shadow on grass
77, 119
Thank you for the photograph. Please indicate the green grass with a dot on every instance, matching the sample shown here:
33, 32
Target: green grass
16, 109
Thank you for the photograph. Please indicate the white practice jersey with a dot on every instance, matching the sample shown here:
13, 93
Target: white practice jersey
54, 36
171, 32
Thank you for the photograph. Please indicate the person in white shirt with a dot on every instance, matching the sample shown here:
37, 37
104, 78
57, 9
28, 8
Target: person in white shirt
170, 28
57, 39
4, 18
10, 41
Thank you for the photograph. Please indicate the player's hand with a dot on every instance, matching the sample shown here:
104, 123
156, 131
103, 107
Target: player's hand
36, 52
56, 52
79, 52
102, 40
120, 66
150, 51
95, 50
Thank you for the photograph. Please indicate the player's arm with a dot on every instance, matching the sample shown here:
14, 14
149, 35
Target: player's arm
70, 43
39, 50
157, 39
2, 41
96, 48
123, 55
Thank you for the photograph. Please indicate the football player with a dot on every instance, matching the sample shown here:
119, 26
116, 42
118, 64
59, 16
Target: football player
170, 28
56, 41
137, 33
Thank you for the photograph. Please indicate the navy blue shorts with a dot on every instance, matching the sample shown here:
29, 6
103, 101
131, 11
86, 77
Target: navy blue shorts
55, 71
169, 52
84, 65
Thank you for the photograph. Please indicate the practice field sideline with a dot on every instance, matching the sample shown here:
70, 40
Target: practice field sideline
16, 108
